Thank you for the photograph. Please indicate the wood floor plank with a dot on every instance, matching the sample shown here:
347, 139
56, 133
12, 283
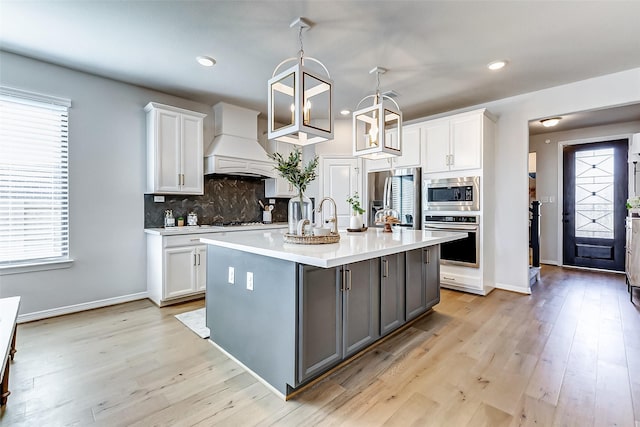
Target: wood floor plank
568, 354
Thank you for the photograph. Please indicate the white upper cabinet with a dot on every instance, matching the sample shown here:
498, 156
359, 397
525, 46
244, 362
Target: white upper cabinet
174, 150
279, 187
411, 148
454, 143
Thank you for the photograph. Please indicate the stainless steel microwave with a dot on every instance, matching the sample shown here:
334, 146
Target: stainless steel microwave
451, 194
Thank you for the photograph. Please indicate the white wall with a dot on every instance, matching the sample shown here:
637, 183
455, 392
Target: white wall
107, 172
547, 178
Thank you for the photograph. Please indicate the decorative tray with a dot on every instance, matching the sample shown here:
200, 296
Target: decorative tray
311, 240
356, 230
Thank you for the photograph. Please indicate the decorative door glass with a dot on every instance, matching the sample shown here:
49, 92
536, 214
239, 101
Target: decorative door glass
594, 193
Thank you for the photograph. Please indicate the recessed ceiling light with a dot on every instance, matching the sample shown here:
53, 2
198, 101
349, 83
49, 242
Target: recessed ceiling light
345, 112
206, 61
550, 122
496, 65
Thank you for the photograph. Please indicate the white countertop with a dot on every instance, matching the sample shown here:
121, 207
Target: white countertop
197, 229
352, 247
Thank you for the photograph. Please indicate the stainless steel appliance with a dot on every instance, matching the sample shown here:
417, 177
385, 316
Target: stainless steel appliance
452, 194
397, 189
465, 252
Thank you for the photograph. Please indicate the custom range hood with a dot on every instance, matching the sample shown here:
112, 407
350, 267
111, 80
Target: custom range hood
235, 149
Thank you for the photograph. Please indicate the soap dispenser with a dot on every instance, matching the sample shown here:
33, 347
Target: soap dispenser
169, 220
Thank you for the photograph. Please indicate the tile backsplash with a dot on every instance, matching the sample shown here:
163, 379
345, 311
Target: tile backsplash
226, 198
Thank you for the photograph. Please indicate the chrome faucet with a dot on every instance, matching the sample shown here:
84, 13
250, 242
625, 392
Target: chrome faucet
334, 219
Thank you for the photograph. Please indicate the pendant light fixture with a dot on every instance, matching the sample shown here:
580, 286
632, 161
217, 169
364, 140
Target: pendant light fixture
377, 130
300, 109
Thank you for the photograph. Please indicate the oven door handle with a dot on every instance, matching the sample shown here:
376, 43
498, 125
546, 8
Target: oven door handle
451, 227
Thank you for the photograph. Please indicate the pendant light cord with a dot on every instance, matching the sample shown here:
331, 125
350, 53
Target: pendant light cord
301, 46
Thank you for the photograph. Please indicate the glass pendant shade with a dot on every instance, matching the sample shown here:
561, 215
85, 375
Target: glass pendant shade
377, 130
300, 109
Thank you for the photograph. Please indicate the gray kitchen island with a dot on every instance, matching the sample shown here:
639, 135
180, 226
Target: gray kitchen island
289, 313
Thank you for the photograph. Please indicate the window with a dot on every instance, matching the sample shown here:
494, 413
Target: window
34, 178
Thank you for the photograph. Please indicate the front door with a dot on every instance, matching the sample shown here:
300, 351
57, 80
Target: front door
595, 191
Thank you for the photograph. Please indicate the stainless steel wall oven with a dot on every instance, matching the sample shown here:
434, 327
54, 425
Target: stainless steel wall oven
464, 252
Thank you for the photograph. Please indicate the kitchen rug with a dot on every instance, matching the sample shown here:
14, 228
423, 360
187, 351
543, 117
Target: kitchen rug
195, 320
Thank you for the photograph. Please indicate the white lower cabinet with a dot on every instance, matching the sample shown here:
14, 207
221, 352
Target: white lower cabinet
176, 268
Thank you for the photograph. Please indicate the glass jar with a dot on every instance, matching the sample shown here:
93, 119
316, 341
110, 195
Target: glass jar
300, 208
387, 217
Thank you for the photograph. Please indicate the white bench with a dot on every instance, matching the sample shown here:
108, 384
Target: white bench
8, 317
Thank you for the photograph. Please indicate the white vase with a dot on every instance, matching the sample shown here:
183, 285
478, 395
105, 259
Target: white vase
355, 222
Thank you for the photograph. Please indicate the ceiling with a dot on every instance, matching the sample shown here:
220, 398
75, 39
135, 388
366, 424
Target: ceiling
585, 119
436, 51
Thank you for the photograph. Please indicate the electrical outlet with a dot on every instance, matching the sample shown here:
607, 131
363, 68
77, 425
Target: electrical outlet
158, 199
249, 280
231, 275
272, 201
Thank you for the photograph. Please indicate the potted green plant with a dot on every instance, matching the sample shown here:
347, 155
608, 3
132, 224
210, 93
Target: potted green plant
633, 204
355, 222
292, 170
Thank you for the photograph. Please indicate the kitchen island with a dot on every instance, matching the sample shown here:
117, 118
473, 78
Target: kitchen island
290, 313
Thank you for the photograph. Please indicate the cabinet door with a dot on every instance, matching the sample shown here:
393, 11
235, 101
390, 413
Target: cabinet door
431, 260
320, 320
361, 284
411, 148
279, 187
378, 165
415, 290
201, 268
392, 292
179, 271
167, 152
436, 147
466, 142
192, 161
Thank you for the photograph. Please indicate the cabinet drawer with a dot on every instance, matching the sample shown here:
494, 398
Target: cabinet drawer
184, 240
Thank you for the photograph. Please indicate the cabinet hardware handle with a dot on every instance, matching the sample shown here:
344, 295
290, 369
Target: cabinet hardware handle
348, 273
448, 278
385, 268
194, 259
198, 259
427, 256
195, 240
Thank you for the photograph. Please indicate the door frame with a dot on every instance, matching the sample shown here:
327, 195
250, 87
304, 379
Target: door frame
561, 145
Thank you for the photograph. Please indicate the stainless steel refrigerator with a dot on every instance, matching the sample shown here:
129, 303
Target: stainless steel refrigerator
396, 189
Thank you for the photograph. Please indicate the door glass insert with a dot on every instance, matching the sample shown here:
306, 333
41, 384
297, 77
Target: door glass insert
594, 171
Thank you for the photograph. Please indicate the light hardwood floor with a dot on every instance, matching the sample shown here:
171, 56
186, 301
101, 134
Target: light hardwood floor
569, 354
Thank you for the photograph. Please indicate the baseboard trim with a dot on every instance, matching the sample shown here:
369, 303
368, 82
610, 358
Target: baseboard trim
517, 289
60, 311
549, 262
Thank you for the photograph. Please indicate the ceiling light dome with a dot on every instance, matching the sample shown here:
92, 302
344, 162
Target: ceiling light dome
497, 65
205, 61
550, 122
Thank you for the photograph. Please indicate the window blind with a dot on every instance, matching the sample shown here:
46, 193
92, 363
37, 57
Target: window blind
34, 178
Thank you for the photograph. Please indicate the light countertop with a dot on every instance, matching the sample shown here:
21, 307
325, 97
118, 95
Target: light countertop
198, 229
352, 247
